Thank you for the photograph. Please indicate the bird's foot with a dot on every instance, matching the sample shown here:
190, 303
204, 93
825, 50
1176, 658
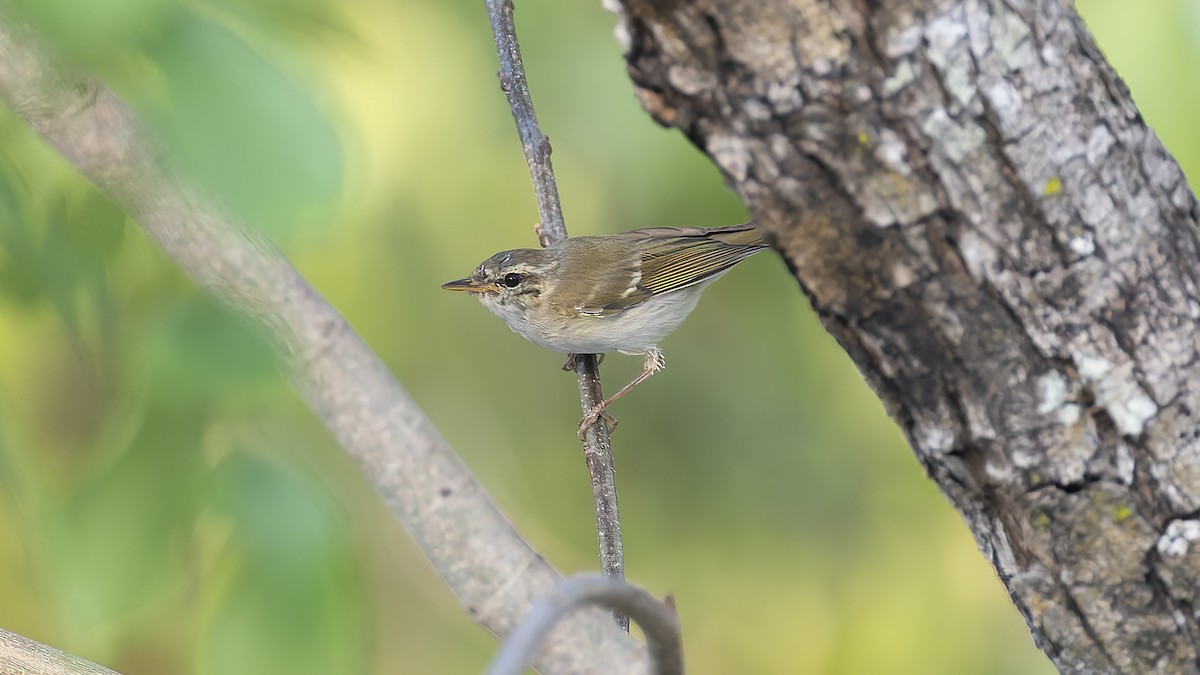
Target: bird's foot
594, 415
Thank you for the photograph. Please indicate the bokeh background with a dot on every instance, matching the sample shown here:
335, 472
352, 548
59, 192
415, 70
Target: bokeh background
167, 505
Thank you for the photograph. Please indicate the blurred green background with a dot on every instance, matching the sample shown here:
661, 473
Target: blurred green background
168, 506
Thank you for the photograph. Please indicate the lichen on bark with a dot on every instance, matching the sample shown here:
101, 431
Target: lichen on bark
971, 201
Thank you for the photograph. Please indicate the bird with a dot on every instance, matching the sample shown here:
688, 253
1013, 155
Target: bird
621, 292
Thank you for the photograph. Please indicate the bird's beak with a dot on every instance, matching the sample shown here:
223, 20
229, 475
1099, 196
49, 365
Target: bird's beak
469, 285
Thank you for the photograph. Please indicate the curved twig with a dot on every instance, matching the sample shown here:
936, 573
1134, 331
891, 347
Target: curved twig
597, 448
656, 618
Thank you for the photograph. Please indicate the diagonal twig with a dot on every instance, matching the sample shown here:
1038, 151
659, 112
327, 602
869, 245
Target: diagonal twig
489, 567
597, 448
21, 656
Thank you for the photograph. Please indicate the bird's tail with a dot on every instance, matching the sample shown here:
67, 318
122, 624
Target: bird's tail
746, 234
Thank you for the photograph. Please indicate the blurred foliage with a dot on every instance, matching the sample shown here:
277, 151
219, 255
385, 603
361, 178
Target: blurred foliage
168, 506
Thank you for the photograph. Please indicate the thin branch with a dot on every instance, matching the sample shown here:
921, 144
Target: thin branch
533, 143
491, 570
597, 448
21, 656
597, 452
657, 619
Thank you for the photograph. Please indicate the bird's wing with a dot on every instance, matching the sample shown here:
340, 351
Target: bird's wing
618, 278
674, 258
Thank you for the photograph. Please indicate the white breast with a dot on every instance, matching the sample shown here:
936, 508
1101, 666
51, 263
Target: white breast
632, 331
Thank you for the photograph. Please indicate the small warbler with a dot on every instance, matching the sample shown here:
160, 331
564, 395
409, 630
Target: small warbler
619, 292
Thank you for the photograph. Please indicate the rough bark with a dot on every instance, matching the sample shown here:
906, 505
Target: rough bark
967, 194
21, 656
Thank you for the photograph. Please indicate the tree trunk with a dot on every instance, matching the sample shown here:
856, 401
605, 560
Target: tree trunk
973, 204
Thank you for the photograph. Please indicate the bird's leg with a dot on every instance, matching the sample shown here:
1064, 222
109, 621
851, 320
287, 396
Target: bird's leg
654, 362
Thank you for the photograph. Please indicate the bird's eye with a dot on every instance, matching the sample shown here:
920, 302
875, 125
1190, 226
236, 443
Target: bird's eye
512, 280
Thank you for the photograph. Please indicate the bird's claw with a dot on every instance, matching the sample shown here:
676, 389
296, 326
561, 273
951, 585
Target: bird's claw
592, 417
